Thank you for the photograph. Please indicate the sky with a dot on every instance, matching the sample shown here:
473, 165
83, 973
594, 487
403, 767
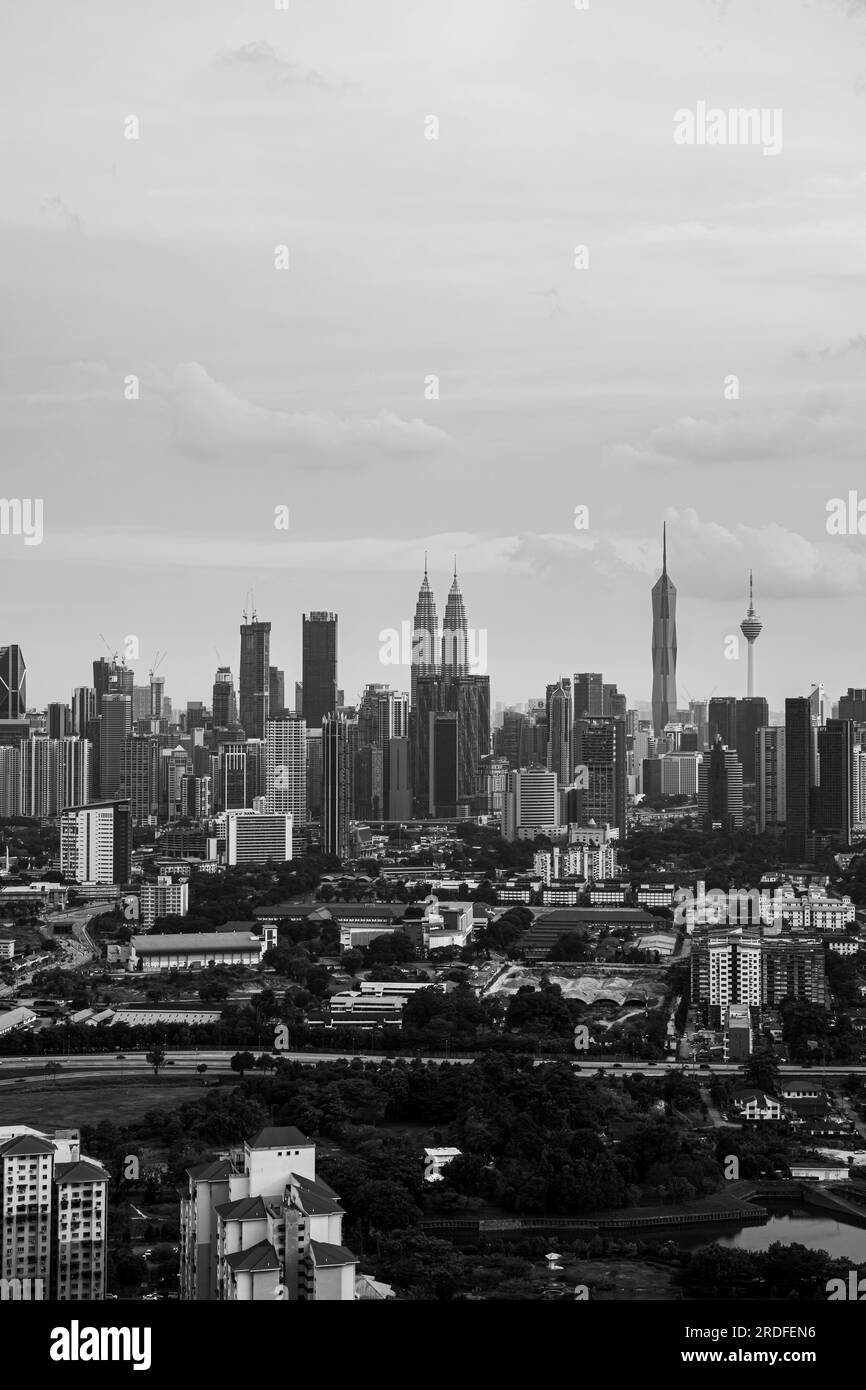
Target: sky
604, 384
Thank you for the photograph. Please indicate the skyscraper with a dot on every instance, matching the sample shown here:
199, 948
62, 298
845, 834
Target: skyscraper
277, 691
336, 784
720, 789
664, 646
319, 667
588, 695
424, 654
798, 774
770, 780
225, 711
455, 633
444, 763
599, 747
833, 799
13, 683
254, 676
286, 768
752, 714
722, 720
115, 725
560, 719
751, 628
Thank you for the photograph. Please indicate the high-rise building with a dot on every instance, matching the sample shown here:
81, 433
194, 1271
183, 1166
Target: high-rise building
425, 657
723, 721
54, 1208
257, 1225
115, 726
83, 709
319, 667
255, 838
833, 798
195, 798
770, 780
531, 803
96, 842
58, 721
560, 721
752, 714
254, 676
455, 633
444, 763
613, 705
286, 768
798, 775
166, 897
369, 782
336, 784
225, 712
600, 786
720, 789
139, 777
588, 694
664, 646
276, 692
751, 628
233, 794
399, 789
852, 705
13, 683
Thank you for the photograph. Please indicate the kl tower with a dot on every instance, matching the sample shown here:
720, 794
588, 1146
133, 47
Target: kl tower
751, 628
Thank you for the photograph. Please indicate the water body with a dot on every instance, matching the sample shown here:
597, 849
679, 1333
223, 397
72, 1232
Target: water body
791, 1226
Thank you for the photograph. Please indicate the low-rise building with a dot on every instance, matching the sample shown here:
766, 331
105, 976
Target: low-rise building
166, 897
16, 1018
181, 952
755, 1105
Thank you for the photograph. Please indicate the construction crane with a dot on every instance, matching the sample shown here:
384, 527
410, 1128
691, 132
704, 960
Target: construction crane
157, 662
113, 655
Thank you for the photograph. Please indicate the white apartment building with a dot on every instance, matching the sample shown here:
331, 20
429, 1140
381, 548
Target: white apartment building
286, 768
54, 1203
165, 898
258, 1226
94, 842
253, 839
531, 799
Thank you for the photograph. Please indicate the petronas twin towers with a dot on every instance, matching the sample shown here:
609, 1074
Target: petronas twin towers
439, 651
664, 600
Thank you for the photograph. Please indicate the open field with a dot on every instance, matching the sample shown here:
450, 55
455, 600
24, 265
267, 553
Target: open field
88, 1102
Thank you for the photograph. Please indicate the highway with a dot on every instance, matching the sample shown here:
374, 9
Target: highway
185, 1063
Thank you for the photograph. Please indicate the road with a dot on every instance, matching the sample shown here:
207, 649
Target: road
107, 1064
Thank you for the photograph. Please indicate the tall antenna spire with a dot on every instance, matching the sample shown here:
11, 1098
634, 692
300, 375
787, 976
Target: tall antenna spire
664, 547
425, 564
751, 597
455, 566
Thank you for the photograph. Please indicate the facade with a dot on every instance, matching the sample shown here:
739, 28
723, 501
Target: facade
139, 777
115, 726
258, 1226
336, 786
195, 949
254, 676
95, 842
664, 647
742, 965
752, 714
254, 838
833, 799
798, 775
13, 683
720, 789
319, 655
165, 898
770, 781
54, 1207
600, 752
224, 705
531, 799
286, 768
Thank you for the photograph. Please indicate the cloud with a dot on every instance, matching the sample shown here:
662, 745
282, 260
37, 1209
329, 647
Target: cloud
739, 437
212, 422
707, 560
262, 62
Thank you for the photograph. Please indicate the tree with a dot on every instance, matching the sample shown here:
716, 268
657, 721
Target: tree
156, 1058
242, 1061
352, 961
762, 1070
201, 1068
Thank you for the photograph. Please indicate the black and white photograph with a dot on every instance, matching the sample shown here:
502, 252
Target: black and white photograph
432, 690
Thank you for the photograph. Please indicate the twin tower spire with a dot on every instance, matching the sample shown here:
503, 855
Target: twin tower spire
439, 651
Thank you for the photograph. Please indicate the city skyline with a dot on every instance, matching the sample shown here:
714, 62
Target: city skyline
321, 392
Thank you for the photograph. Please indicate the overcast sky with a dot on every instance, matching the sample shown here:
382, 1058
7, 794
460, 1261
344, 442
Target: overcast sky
409, 257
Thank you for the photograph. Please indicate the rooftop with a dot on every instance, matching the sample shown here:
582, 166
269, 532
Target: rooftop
258, 1259
328, 1256
285, 1137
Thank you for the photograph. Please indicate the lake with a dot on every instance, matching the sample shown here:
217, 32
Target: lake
790, 1225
